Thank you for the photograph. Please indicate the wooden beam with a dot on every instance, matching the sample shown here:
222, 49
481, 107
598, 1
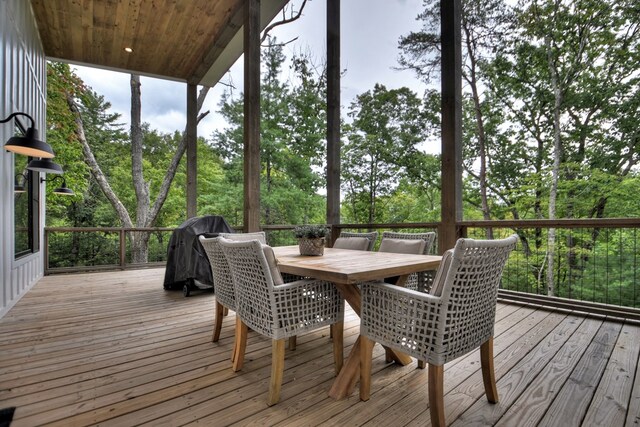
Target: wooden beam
252, 116
333, 111
451, 197
192, 150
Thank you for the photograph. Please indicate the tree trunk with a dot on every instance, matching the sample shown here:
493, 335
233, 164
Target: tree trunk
267, 212
482, 138
139, 240
145, 215
139, 246
555, 171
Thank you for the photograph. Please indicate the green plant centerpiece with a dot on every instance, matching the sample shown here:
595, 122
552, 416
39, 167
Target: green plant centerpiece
311, 239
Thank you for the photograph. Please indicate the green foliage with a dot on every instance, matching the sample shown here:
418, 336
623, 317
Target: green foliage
310, 231
292, 133
61, 136
382, 145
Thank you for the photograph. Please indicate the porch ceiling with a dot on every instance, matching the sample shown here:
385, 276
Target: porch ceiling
195, 41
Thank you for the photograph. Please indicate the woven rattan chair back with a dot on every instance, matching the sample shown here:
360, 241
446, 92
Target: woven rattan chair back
372, 237
423, 280
469, 294
223, 284
253, 285
429, 238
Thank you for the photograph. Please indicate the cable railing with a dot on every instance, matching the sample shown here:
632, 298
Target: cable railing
81, 249
593, 261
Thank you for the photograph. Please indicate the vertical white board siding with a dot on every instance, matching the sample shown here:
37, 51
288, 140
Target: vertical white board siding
23, 74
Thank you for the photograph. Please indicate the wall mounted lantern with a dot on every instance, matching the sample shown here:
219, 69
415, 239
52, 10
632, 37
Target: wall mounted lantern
63, 189
29, 144
20, 183
44, 165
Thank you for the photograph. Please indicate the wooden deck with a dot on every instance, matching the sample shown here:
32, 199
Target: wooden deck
115, 349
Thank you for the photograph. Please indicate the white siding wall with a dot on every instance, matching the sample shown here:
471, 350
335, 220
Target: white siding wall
23, 76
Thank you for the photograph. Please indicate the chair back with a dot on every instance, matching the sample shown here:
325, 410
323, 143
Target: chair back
260, 236
429, 238
469, 289
353, 243
411, 243
253, 284
371, 237
222, 282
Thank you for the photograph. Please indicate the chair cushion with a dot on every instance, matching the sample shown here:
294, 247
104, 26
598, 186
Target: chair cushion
353, 243
402, 246
441, 274
273, 265
244, 237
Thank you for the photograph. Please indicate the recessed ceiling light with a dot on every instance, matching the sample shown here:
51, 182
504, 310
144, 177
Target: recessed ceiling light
128, 49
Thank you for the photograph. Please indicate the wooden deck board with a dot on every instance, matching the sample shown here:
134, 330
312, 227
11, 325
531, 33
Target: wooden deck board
534, 400
610, 402
114, 348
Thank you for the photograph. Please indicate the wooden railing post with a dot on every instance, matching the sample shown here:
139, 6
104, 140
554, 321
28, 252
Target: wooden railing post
123, 248
333, 234
46, 251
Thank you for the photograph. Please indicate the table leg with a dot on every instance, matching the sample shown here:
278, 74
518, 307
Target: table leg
345, 382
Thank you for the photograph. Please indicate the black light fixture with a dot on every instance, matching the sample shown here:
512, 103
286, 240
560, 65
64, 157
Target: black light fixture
29, 144
44, 165
19, 186
63, 189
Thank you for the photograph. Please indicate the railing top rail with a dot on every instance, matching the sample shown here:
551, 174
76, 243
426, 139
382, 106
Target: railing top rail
105, 229
550, 223
524, 223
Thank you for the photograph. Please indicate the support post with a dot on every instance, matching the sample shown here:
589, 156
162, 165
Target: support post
252, 116
192, 150
333, 112
451, 197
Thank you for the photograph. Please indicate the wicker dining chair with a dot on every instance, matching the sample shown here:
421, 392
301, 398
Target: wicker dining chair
454, 318
278, 310
357, 241
223, 284
423, 280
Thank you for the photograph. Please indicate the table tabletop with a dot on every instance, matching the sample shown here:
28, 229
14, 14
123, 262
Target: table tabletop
350, 266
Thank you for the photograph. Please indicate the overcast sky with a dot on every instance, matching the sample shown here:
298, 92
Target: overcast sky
370, 30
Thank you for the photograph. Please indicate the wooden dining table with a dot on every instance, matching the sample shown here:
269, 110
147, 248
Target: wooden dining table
345, 268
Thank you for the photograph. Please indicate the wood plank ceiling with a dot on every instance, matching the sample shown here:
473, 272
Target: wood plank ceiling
174, 39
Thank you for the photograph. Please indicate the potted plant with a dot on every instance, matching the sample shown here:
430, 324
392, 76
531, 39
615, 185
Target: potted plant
311, 239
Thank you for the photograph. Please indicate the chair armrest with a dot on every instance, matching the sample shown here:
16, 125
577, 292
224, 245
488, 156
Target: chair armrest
401, 318
376, 290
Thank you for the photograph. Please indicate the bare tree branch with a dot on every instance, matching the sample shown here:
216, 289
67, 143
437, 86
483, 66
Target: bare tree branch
285, 20
280, 44
175, 161
97, 173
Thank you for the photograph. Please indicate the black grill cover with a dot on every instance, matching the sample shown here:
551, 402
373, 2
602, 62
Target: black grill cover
186, 258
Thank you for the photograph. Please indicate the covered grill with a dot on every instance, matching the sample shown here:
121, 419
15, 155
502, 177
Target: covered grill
187, 264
